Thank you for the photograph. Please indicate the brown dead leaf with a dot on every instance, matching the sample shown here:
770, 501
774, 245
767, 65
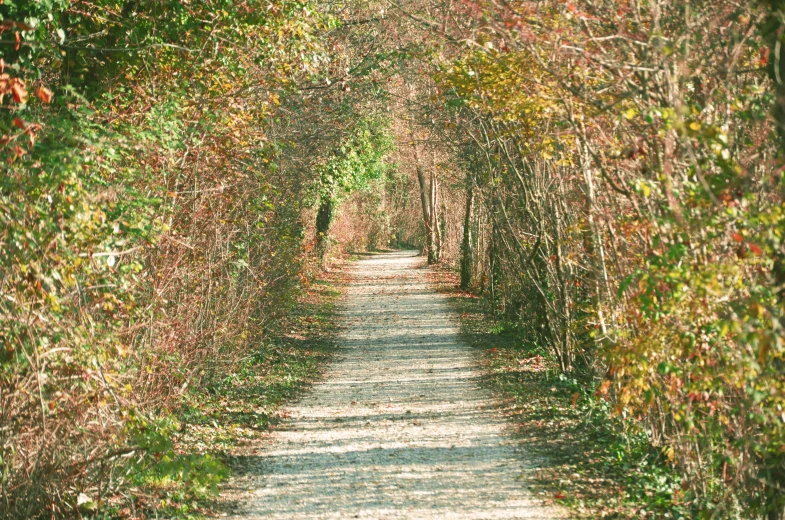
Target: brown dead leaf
603, 389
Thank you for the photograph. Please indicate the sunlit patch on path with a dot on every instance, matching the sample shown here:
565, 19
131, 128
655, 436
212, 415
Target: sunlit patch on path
400, 427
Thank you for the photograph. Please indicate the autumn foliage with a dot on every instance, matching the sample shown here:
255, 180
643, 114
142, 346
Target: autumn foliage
607, 173
156, 222
625, 160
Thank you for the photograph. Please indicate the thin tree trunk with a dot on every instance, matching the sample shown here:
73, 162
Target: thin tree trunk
324, 219
425, 200
435, 240
773, 32
466, 246
594, 251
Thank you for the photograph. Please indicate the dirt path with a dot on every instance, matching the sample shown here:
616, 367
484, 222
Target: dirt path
399, 428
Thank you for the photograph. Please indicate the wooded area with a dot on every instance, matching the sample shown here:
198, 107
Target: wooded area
608, 173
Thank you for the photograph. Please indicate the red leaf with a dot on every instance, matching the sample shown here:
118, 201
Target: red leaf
764, 57
19, 123
737, 237
756, 249
44, 94
18, 90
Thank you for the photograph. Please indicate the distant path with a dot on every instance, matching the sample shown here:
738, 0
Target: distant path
400, 427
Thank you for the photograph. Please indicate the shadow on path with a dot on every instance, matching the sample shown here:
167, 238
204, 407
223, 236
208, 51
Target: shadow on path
400, 427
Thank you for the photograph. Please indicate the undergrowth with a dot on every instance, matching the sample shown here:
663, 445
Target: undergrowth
585, 458
235, 413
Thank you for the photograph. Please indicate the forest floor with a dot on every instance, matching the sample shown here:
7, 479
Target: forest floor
400, 425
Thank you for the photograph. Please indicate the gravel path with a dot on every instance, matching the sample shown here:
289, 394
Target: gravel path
400, 427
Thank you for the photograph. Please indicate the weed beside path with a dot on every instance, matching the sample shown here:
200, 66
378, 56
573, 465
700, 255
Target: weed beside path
230, 419
594, 466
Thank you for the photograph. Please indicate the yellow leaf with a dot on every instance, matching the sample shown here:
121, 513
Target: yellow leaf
669, 453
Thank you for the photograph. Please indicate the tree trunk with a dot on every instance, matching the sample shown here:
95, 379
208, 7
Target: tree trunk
467, 252
593, 245
773, 32
68, 55
436, 246
493, 266
442, 229
324, 218
428, 209
426, 213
